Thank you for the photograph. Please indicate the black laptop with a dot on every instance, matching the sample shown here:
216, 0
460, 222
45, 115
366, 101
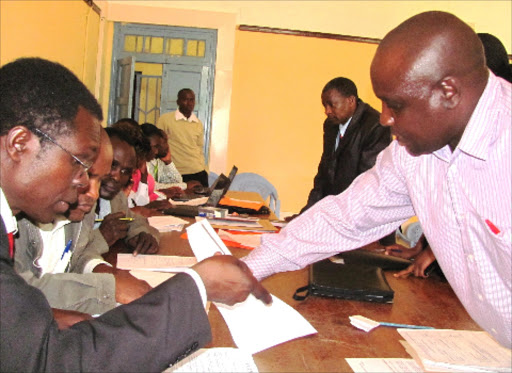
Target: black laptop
218, 189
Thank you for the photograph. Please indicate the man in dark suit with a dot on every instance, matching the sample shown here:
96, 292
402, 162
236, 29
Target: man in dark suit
49, 137
353, 137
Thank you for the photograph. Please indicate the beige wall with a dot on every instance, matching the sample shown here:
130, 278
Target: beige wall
267, 114
266, 86
61, 31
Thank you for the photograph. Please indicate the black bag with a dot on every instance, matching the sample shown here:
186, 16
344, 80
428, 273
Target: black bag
346, 281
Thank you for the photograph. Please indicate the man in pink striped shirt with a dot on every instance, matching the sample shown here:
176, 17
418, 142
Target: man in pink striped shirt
450, 165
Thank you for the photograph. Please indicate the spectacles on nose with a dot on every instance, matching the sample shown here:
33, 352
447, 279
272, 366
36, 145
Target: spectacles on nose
51, 139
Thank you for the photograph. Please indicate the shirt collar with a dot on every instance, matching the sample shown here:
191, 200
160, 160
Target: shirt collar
180, 116
59, 222
11, 225
477, 135
344, 126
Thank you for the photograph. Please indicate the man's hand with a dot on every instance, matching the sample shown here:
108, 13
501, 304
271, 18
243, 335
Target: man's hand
128, 287
114, 229
143, 243
229, 280
66, 318
421, 262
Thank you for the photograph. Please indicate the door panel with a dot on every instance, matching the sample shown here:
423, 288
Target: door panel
175, 77
124, 88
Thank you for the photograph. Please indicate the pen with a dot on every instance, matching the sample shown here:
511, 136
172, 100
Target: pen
66, 249
123, 219
404, 325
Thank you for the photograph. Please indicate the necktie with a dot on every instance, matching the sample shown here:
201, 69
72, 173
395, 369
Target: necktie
10, 236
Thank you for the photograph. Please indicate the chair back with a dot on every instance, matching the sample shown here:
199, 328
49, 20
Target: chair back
251, 182
212, 176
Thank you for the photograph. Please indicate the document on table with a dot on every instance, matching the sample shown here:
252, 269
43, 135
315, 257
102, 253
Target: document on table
191, 202
249, 240
167, 223
457, 350
154, 262
254, 326
388, 365
223, 359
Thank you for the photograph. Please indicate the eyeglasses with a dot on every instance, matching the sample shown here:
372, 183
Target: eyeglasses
51, 139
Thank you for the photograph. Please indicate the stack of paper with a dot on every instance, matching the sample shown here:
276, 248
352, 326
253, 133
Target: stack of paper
191, 202
222, 359
154, 269
446, 350
167, 223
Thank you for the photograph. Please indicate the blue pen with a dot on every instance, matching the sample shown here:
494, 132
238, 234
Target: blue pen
66, 249
404, 325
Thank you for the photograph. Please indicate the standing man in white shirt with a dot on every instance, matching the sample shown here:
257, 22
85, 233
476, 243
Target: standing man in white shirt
185, 135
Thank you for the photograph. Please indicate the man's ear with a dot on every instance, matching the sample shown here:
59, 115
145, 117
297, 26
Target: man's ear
18, 141
450, 92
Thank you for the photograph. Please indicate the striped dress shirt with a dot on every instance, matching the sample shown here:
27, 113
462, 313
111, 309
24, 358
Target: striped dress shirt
462, 199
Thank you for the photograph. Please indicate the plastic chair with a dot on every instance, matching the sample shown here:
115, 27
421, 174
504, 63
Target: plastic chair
212, 176
251, 182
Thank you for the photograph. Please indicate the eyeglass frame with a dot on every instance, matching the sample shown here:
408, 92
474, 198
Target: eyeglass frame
51, 139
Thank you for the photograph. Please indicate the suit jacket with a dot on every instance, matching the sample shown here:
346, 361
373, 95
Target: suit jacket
357, 151
146, 335
74, 290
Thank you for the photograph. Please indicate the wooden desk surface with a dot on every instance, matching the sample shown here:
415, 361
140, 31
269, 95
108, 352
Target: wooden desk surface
428, 302
417, 301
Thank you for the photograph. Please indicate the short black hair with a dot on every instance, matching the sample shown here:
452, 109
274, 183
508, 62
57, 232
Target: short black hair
344, 86
38, 93
132, 129
183, 91
149, 130
120, 134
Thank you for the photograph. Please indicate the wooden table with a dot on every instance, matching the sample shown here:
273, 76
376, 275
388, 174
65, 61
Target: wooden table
428, 301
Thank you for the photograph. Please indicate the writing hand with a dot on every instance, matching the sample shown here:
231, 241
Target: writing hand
114, 229
229, 280
67, 318
143, 243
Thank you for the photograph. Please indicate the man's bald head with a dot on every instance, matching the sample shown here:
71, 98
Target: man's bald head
430, 46
429, 73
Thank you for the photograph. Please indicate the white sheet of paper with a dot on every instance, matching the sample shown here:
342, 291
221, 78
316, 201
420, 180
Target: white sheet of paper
249, 240
167, 223
255, 326
152, 278
464, 350
383, 365
222, 359
204, 241
191, 202
155, 262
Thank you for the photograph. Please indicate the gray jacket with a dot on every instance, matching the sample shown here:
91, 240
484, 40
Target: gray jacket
74, 290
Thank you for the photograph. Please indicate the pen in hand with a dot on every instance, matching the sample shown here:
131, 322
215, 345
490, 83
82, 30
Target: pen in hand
123, 219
